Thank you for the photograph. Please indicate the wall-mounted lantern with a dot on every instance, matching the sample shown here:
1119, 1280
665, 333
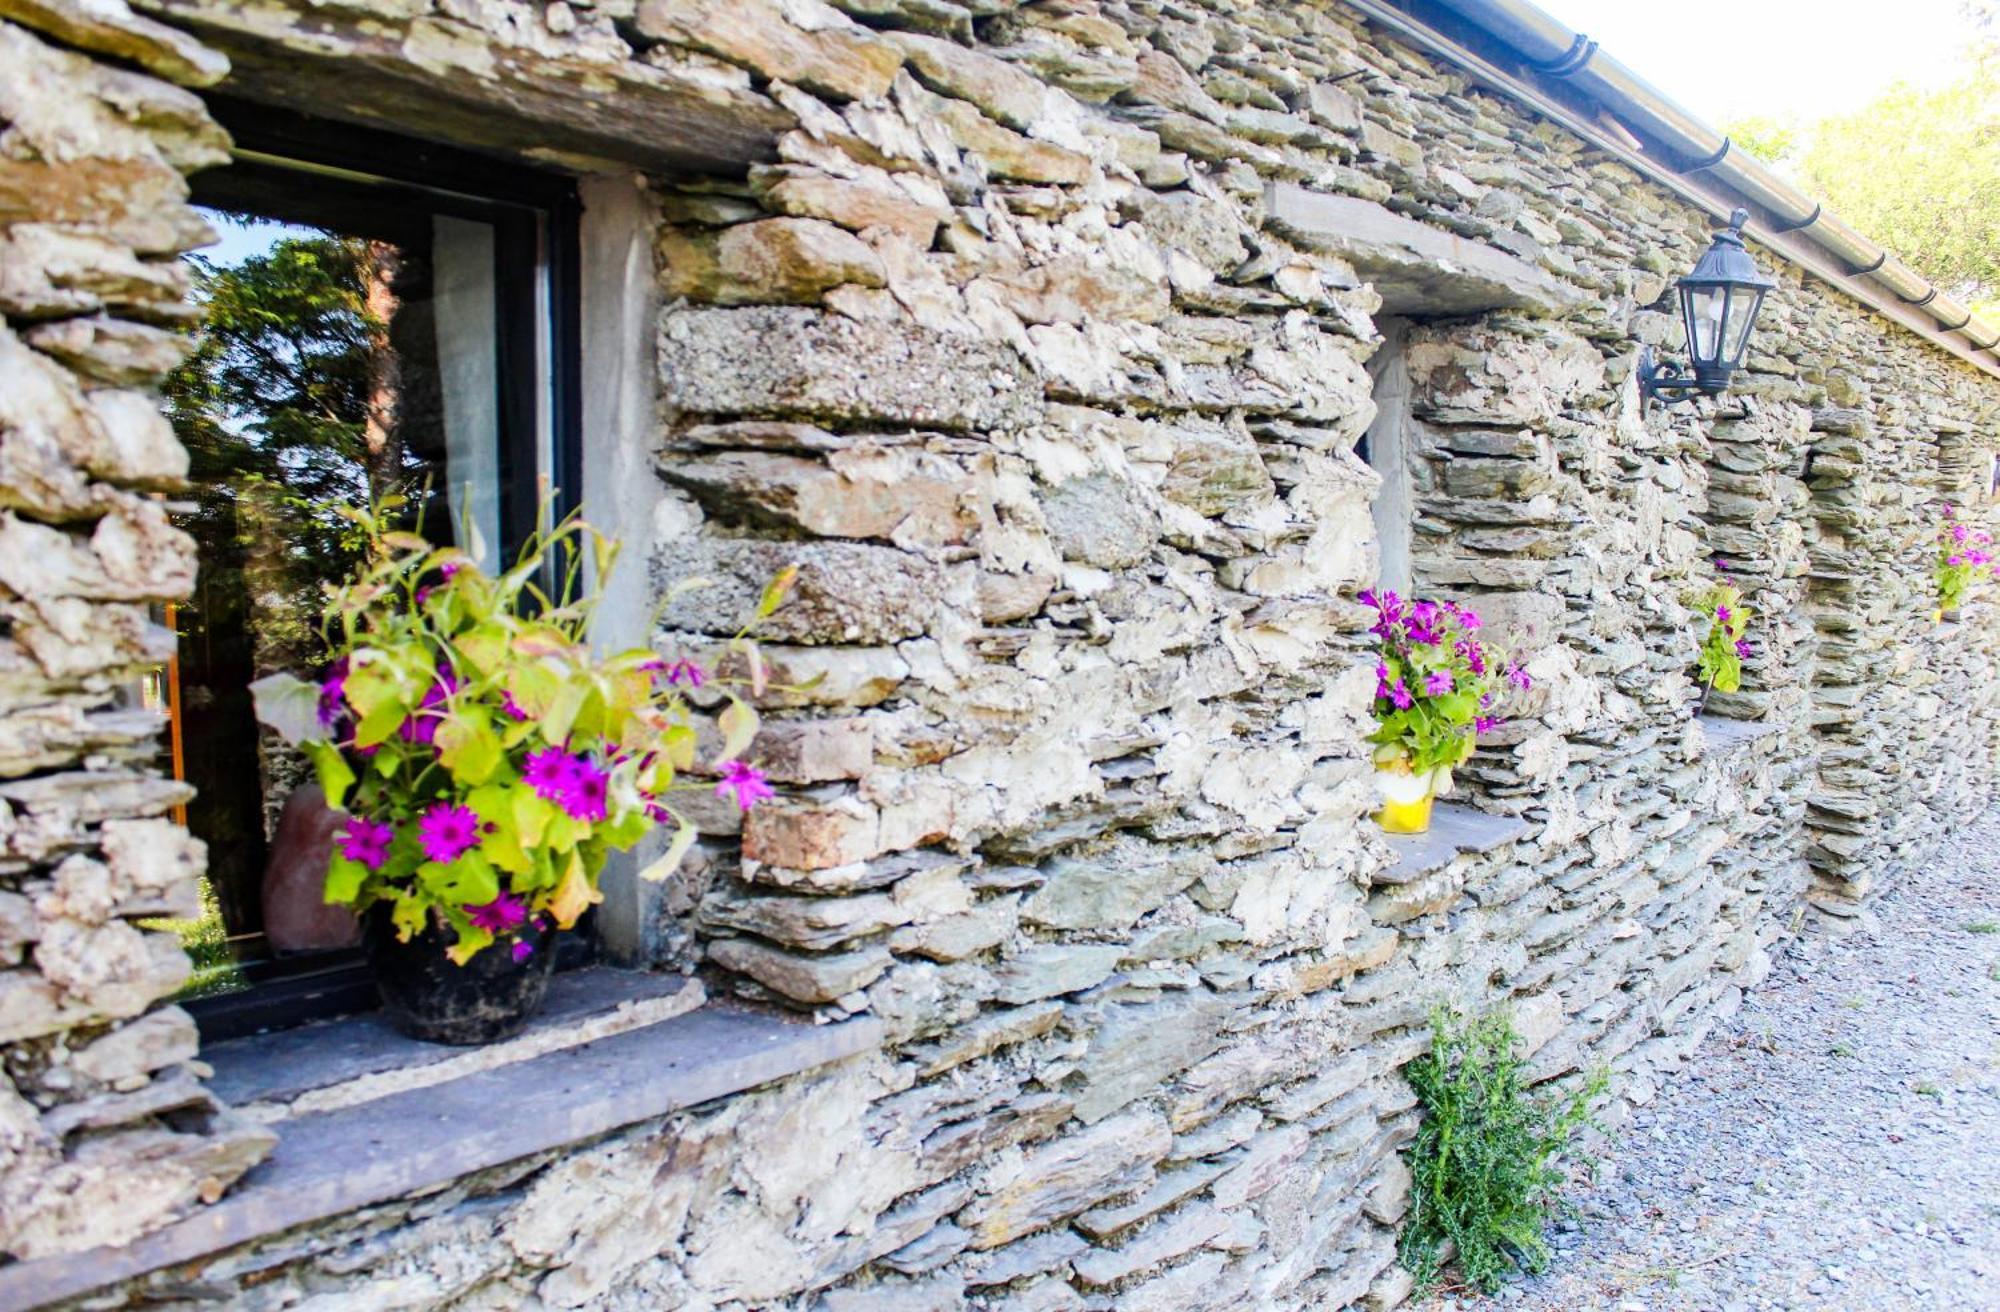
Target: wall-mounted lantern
1720, 298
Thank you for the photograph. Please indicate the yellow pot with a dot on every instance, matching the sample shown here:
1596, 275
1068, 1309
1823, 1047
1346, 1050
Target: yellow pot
1406, 799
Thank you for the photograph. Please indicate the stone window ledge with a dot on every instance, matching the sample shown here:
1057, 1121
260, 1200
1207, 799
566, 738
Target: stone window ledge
436, 1128
1455, 830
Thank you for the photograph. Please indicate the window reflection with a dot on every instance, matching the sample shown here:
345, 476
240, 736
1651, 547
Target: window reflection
358, 340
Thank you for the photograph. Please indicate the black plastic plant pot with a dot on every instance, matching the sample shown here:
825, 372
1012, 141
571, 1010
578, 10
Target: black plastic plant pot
489, 998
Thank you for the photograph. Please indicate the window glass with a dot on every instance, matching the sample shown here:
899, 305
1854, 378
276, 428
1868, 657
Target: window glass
359, 339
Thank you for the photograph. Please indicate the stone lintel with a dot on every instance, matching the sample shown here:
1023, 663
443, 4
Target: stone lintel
332, 1163
1455, 829
569, 109
1417, 269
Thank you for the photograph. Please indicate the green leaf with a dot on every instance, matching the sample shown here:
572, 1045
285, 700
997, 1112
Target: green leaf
372, 683
378, 725
409, 915
562, 711
467, 880
775, 590
336, 776
739, 725
670, 860
468, 747
531, 816
484, 648
471, 942
343, 881
290, 705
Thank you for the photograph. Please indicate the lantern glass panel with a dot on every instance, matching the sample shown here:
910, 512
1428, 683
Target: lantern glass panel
1743, 306
1703, 307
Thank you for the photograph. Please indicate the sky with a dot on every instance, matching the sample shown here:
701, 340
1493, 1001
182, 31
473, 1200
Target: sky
243, 237
1726, 59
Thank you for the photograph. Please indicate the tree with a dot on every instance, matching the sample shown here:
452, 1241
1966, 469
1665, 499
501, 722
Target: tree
280, 407
1917, 169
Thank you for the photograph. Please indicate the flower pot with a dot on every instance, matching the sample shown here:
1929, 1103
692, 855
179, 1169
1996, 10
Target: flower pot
1406, 799
426, 996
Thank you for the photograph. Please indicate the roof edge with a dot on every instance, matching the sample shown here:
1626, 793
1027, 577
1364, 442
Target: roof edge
1523, 52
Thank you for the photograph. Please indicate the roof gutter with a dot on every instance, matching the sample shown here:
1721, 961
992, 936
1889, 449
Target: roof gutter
1561, 74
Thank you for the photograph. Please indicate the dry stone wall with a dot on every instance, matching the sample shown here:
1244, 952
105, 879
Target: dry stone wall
997, 341
105, 1128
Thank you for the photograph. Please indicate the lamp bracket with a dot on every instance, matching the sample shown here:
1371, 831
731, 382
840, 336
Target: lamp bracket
1667, 382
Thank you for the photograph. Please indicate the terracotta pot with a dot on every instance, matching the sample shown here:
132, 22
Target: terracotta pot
296, 915
426, 996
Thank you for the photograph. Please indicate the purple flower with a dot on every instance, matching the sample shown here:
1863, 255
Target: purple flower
1474, 654
1400, 695
1959, 533
1437, 683
550, 772
1949, 510
511, 707
1389, 612
746, 784
1486, 723
588, 792
1743, 648
1721, 565
503, 913
422, 726
1955, 559
332, 694
685, 671
522, 949
1422, 627
1722, 614
366, 841
1519, 674
451, 567
1381, 679
447, 830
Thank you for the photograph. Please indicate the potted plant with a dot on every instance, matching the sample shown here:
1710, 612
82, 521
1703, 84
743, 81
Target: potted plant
487, 761
1720, 664
1436, 685
1962, 559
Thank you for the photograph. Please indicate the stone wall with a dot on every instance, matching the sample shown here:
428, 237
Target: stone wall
998, 339
105, 1129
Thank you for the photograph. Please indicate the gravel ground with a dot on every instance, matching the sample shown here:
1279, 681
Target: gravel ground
1835, 1145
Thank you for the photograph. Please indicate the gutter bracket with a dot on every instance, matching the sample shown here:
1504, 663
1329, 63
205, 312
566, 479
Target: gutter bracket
1806, 222
1711, 161
1571, 61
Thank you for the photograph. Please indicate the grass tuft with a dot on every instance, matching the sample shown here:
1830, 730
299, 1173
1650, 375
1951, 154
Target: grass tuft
207, 942
1488, 1159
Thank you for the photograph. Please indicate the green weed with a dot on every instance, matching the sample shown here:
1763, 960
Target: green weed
1487, 1159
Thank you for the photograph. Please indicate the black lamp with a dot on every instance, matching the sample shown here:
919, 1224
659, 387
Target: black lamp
1719, 303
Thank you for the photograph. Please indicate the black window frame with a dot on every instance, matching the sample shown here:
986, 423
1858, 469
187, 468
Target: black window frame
535, 213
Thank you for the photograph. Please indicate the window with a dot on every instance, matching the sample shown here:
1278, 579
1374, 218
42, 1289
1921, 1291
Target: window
380, 318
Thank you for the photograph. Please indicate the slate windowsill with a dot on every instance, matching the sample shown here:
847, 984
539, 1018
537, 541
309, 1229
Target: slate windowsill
1455, 829
334, 1161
